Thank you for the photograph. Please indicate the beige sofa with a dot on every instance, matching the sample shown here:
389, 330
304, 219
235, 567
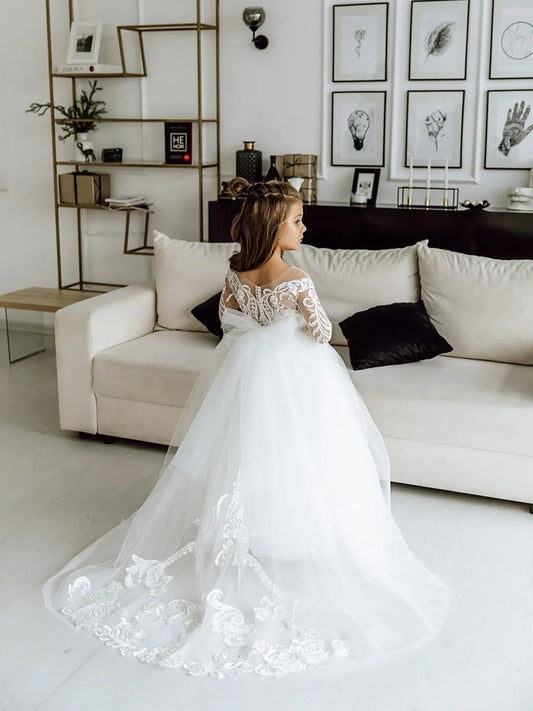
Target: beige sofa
127, 359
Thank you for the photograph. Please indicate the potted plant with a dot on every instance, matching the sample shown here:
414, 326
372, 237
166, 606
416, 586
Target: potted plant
79, 118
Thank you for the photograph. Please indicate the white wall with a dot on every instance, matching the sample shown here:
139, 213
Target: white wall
275, 97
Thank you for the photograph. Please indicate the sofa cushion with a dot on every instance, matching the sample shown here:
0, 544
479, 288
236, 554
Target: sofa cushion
207, 314
160, 367
482, 306
392, 334
187, 273
452, 401
350, 280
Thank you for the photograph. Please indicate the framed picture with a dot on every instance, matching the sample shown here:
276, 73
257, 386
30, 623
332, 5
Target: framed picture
360, 42
365, 182
434, 128
438, 39
509, 130
511, 40
178, 142
84, 43
358, 128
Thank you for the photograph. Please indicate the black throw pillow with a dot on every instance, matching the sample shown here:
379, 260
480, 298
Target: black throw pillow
207, 314
392, 334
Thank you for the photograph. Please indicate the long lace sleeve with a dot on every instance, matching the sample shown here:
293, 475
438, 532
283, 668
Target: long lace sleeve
318, 323
227, 299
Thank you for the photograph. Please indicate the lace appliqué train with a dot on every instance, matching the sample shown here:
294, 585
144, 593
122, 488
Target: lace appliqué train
245, 642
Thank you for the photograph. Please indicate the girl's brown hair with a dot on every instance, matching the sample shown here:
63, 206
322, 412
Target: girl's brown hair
255, 228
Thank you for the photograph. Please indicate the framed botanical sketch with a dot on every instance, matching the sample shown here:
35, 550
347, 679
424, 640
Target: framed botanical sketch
509, 130
358, 128
360, 42
434, 128
438, 39
84, 43
511, 40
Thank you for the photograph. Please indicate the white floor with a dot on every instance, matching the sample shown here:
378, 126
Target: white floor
58, 493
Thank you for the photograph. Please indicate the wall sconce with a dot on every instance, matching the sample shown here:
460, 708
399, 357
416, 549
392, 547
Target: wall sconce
254, 17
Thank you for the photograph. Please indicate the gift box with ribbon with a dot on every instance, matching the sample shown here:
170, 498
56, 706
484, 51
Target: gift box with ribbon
84, 188
299, 165
302, 165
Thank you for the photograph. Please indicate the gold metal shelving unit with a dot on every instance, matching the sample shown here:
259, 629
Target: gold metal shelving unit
197, 27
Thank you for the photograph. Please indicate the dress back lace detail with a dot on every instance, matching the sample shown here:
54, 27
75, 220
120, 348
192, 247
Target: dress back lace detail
293, 290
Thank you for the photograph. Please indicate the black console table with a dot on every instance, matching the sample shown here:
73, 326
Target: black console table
492, 233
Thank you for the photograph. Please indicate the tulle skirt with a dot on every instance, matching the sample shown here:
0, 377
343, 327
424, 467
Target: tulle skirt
267, 545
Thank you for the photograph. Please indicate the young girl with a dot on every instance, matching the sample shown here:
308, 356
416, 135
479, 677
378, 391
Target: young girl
267, 546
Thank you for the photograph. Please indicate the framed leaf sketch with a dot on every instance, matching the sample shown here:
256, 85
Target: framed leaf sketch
358, 128
438, 39
360, 42
434, 128
511, 40
509, 130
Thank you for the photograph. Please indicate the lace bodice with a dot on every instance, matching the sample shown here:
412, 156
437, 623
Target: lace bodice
293, 290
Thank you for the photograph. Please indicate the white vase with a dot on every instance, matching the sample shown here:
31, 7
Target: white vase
84, 149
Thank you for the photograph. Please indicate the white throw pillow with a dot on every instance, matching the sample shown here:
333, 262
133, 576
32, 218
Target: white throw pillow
350, 280
187, 273
482, 306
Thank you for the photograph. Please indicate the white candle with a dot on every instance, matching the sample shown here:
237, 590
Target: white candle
446, 176
410, 190
428, 182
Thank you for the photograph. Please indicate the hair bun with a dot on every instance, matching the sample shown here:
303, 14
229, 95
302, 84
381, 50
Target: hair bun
238, 186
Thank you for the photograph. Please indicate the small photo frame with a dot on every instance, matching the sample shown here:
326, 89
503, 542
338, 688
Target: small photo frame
365, 182
360, 42
511, 40
509, 130
84, 43
358, 128
438, 39
434, 128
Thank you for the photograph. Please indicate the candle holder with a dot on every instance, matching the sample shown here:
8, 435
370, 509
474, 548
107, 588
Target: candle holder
424, 198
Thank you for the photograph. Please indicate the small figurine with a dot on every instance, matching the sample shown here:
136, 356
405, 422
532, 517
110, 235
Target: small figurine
87, 150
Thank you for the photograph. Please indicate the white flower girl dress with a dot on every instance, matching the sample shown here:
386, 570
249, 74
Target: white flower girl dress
267, 545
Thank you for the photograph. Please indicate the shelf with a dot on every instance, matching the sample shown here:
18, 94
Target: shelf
167, 27
138, 164
90, 75
136, 120
122, 208
193, 30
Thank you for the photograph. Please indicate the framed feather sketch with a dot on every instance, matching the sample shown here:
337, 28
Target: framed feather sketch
438, 39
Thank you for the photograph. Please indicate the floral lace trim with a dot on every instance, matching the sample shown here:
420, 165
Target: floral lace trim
246, 652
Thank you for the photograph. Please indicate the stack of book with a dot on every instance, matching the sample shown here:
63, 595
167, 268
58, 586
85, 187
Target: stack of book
133, 202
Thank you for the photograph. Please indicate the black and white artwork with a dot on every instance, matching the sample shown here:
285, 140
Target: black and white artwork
358, 128
511, 50
84, 43
438, 39
509, 130
434, 128
360, 42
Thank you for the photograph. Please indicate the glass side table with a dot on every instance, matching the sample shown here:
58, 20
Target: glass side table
24, 337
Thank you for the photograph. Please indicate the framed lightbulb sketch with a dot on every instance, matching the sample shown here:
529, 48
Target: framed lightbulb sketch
358, 128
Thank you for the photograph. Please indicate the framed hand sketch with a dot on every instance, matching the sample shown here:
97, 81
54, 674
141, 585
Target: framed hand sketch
358, 127
84, 43
365, 182
438, 39
509, 130
434, 128
360, 42
511, 40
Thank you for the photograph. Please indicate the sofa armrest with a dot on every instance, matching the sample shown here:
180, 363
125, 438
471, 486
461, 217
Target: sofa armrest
84, 329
